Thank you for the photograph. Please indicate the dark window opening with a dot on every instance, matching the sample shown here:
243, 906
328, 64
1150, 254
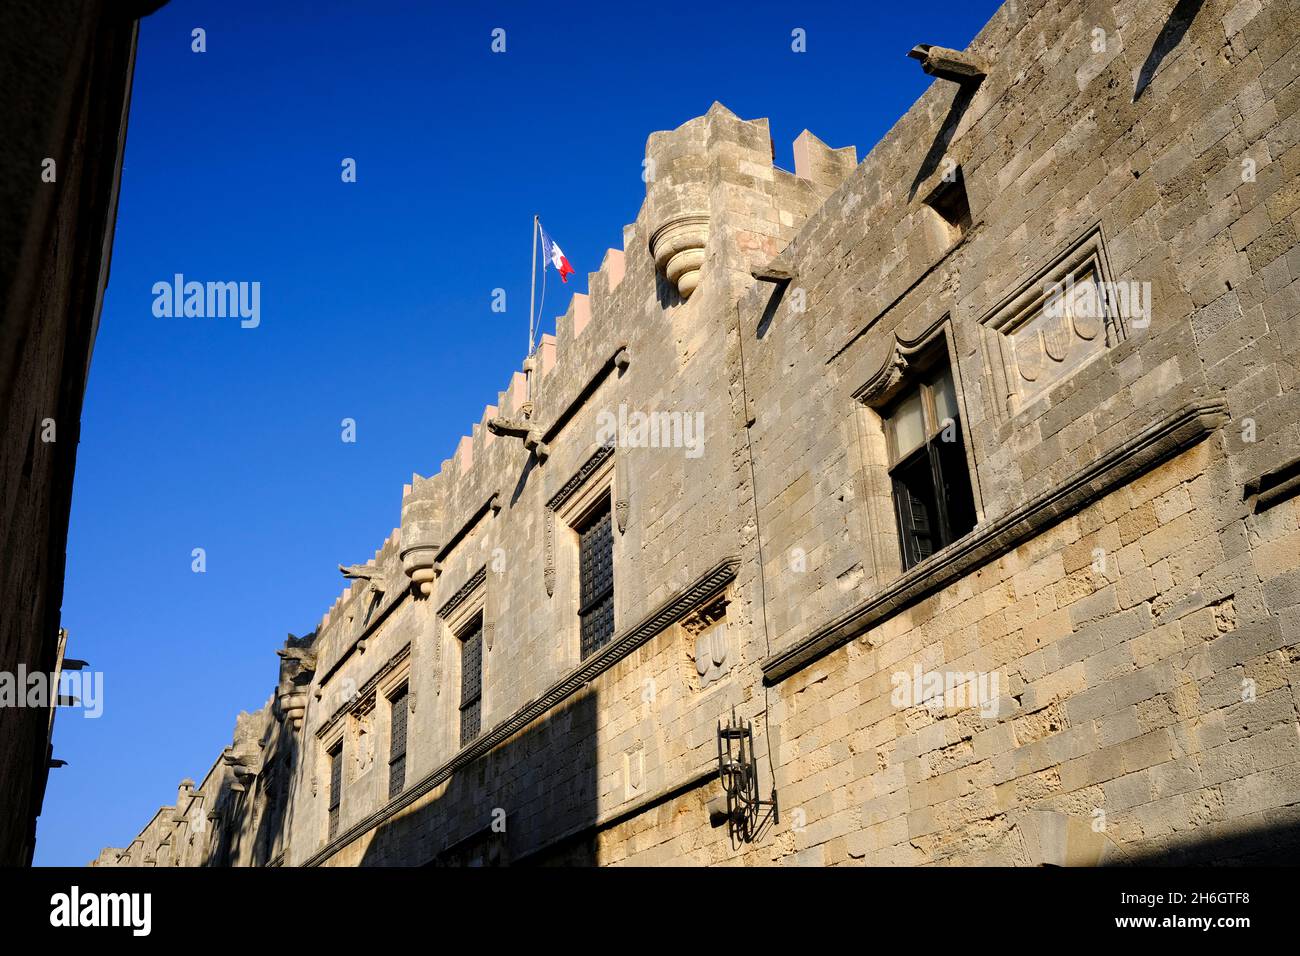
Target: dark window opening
471, 681
932, 487
336, 788
596, 580
397, 743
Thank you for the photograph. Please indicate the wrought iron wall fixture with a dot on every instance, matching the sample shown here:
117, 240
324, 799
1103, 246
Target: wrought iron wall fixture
738, 773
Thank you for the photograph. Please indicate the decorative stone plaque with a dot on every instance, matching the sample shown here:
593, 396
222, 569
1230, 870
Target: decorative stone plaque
1054, 325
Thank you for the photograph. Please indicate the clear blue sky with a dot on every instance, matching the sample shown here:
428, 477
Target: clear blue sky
375, 304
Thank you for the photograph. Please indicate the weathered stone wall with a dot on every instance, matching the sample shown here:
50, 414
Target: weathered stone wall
1121, 680
1126, 605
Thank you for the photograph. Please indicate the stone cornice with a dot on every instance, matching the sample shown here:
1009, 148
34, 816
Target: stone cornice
709, 584
1156, 443
1274, 486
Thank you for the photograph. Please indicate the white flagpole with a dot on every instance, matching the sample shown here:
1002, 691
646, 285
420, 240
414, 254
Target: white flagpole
532, 292
528, 359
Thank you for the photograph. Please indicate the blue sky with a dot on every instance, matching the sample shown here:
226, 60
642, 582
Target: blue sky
375, 304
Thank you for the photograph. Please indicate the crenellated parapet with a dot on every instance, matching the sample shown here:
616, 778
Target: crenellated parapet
717, 169
715, 208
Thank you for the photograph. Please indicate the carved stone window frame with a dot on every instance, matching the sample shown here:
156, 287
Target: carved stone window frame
596, 482
595, 470
387, 686
906, 361
333, 739
1084, 254
394, 679
457, 616
321, 786
472, 597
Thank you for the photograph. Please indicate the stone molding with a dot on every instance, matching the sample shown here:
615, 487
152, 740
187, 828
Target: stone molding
1155, 444
492, 504
567, 490
618, 361
1015, 332
375, 622
1273, 486
881, 387
466, 589
629, 809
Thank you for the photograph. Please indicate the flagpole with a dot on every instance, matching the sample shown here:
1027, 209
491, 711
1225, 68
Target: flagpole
532, 294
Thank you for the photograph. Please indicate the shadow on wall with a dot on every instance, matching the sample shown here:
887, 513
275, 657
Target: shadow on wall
1180, 18
222, 835
531, 801
275, 796
961, 101
1276, 844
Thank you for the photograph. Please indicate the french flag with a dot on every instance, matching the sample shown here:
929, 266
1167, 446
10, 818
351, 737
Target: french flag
555, 256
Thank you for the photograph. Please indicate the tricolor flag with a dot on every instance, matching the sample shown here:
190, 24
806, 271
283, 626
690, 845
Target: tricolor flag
555, 256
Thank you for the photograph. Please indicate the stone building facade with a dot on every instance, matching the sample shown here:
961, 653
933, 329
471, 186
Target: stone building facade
65, 69
964, 476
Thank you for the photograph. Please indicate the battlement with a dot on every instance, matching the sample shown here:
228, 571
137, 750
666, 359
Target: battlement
713, 170
1097, 535
709, 182
384, 555
716, 208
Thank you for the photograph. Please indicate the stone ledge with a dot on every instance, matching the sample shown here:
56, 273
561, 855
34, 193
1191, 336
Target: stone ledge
1156, 443
656, 622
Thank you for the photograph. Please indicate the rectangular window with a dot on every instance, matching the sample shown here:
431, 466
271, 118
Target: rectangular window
932, 488
336, 787
596, 576
471, 680
397, 744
